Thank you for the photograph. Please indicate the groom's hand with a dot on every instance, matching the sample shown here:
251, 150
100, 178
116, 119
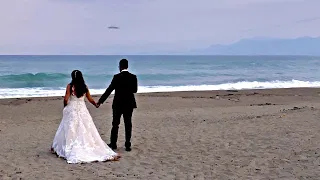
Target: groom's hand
98, 105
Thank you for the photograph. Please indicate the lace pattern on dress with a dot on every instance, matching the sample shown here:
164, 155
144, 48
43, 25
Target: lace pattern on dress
77, 138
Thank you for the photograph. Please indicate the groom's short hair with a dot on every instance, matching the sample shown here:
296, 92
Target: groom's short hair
123, 64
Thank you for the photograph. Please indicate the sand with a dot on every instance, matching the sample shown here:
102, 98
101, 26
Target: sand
251, 134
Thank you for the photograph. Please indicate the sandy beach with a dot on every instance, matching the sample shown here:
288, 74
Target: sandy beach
250, 134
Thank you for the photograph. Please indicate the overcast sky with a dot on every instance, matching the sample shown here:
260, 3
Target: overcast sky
81, 26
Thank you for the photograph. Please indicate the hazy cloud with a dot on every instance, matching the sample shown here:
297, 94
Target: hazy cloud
81, 26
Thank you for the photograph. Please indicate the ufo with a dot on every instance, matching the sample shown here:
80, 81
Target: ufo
113, 27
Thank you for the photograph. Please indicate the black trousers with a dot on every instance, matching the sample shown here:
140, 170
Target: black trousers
127, 117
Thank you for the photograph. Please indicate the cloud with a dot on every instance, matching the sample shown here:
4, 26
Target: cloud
80, 26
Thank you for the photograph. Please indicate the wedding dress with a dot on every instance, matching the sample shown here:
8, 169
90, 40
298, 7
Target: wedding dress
77, 138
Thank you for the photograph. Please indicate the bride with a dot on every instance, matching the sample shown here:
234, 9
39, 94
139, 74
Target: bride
77, 138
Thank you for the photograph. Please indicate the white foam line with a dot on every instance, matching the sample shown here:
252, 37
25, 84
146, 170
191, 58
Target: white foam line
40, 92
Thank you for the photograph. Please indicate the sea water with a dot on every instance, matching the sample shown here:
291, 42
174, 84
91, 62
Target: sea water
41, 76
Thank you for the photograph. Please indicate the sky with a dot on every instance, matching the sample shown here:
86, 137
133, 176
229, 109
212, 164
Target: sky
147, 26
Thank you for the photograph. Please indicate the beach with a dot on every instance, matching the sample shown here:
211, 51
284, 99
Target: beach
247, 134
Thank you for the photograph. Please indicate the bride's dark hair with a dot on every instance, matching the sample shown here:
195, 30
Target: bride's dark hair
78, 83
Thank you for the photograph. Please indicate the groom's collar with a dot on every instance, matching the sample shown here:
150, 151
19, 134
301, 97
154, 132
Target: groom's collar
124, 70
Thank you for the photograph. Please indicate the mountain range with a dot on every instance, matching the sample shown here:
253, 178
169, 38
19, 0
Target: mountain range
265, 46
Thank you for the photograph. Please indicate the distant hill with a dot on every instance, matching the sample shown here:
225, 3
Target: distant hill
266, 46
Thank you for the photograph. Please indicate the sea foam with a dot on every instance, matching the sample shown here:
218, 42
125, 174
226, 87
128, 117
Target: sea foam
45, 92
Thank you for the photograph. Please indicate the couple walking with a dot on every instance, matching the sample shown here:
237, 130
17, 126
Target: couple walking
77, 138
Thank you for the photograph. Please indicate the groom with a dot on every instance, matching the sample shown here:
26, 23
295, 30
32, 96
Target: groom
125, 85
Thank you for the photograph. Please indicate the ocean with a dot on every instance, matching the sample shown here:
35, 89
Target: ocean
42, 76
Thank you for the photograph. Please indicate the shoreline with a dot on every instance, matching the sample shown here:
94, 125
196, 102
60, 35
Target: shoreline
7, 93
178, 92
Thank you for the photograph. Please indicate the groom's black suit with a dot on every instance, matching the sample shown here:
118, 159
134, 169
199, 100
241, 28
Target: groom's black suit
125, 85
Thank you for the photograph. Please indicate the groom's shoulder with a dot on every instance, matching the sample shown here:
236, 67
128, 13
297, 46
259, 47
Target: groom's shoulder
132, 74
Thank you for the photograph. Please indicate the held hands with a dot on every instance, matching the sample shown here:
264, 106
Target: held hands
97, 105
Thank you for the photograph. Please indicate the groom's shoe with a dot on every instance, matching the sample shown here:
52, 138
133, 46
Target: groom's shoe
128, 146
113, 146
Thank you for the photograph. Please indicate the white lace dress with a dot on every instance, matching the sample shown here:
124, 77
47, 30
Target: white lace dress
77, 138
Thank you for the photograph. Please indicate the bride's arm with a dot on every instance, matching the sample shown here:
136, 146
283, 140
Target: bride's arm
66, 96
90, 99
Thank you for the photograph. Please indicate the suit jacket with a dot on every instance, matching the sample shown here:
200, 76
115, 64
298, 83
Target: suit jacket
125, 85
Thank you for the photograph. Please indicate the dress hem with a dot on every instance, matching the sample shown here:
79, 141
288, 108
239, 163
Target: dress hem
113, 158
